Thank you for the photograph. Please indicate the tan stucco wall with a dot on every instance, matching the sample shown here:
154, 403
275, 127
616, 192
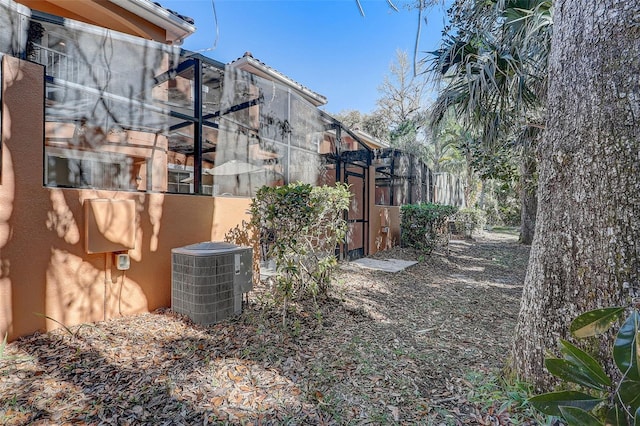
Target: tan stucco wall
44, 267
230, 213
384, 226
21, 201
384, 221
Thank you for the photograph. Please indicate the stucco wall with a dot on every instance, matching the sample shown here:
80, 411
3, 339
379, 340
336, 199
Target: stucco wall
44, 268
384, 228
384, 221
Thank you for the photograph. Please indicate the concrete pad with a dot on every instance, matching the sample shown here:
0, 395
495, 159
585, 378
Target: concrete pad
389, 265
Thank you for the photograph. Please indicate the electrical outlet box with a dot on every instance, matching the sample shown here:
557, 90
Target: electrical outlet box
110, 225
122, 261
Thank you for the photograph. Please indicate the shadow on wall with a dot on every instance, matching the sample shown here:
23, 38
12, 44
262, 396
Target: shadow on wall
44, 266
45, 270
83, 287
7, 189
22, 93
86, 287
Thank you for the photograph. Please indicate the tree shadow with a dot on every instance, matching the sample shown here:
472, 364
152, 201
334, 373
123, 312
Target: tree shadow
391, 340
85, 385
207, 376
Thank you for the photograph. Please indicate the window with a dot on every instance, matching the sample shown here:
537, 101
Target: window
89, 171
131, 114
180, 182
107, 121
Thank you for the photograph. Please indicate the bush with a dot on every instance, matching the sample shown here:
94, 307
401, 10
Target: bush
598, 399
510, 215
304, 225
469, 219
423, 225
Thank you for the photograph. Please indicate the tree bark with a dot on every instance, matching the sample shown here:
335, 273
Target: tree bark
528, 189
587, 236
470, 194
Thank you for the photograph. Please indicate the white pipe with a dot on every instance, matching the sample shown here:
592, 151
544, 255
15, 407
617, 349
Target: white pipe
120, 295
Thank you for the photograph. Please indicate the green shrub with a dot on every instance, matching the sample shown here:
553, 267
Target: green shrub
468, 220
423, 225
494, 217
510, 215
304, 225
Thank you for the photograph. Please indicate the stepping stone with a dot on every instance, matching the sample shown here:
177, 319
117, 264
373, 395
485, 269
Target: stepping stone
389, 265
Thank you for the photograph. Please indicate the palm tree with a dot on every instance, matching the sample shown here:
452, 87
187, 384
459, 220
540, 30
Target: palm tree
492, 70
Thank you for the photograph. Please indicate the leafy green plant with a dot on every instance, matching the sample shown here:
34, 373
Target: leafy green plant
424, 225
599, 400
469, 219
503, 398
304, 224
510, 214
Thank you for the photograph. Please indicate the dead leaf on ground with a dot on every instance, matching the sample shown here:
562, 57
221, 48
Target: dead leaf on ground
396, 347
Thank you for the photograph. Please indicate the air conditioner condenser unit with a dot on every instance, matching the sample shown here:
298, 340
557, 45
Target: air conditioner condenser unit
208, 280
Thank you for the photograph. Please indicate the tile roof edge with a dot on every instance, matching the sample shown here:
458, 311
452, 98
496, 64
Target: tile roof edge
177, 25
248, 58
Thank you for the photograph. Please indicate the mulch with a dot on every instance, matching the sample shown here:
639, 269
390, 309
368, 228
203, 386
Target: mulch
384, 348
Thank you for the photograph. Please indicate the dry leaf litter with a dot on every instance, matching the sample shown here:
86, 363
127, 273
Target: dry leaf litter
385, 348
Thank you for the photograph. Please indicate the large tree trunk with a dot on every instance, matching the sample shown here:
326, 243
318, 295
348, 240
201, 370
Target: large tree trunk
528, 188
470, 194
586, 244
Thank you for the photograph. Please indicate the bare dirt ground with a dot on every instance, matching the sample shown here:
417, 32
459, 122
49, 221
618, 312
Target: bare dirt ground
403, 348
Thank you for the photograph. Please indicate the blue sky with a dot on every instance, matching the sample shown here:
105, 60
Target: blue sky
325, 45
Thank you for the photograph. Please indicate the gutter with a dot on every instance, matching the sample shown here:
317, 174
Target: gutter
176, 29
371, 140
315, 98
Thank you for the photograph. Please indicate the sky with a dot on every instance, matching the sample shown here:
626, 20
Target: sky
325, 45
